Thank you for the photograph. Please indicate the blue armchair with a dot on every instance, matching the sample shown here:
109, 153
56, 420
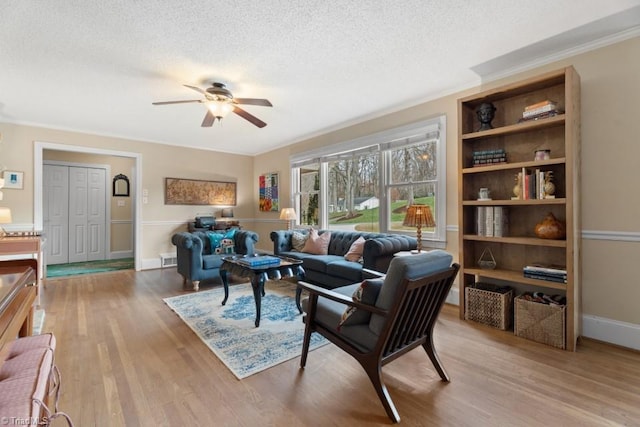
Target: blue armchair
197, 260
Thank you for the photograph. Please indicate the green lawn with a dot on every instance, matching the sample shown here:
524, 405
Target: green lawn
368, 220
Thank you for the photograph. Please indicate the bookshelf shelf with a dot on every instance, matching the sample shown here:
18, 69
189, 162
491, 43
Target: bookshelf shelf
513, 276
531, 241
514, 166
517, 128
482, 223
561, 201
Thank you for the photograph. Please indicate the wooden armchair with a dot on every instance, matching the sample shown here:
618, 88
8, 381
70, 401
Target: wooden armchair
388, 318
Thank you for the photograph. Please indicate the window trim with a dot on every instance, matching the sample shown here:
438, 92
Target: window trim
383, 141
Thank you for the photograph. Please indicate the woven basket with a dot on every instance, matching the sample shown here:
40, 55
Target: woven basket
485, 305
543, 323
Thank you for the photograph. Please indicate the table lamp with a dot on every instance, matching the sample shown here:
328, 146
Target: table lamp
419, 216
288, 214
5, 218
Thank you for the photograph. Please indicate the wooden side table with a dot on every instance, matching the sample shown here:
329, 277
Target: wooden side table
25, 245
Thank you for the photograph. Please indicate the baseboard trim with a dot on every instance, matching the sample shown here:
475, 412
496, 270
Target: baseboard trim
121, 254
615, 332
150, 264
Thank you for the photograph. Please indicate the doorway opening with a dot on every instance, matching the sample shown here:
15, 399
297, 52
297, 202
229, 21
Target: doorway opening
136, 173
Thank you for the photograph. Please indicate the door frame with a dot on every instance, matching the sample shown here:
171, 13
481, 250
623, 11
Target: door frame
136, 197
107, 195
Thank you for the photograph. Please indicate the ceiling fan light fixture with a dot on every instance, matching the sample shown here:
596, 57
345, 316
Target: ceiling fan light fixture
220, 108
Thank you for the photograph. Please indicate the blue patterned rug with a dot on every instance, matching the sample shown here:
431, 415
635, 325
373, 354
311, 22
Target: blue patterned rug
229, 330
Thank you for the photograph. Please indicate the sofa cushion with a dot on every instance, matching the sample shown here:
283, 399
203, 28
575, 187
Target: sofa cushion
366, 293
298, 239
227, 244
355, 251
211, 261
215, 242
321, 262
317, 244
329, 314
342, 268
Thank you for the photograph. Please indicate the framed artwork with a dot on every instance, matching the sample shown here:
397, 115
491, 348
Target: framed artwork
269, 192
180, 191
13, 179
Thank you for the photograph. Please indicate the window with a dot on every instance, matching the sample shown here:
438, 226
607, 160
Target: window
366, 184
307, 194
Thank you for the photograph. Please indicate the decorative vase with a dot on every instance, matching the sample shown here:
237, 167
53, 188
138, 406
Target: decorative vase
551, 228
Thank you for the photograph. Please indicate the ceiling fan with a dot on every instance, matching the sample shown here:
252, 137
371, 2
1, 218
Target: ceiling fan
220, 101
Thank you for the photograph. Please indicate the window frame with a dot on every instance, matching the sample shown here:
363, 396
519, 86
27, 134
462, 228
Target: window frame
383, 143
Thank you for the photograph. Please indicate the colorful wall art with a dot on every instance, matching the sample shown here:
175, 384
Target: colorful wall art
269, 192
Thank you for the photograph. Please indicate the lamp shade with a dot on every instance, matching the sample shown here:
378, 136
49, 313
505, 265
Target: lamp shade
288, 214
419, 215
5, 216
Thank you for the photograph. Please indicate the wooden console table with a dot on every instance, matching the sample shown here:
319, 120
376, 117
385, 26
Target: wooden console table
17, 295
25, 245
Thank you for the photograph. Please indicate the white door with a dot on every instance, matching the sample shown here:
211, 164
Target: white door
78, 189
85, 215
56, 213
96, 214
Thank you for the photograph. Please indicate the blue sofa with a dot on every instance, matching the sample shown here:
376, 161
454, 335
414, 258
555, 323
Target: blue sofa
333, 270
196, 259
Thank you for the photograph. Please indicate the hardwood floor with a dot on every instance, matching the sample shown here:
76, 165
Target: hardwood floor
127, 359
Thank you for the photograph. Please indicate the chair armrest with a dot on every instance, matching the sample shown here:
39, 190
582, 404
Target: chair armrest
245, 241
334, 296
368, 273
281, 241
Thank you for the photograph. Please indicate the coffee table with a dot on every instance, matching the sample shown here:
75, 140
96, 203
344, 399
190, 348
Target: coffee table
249, 266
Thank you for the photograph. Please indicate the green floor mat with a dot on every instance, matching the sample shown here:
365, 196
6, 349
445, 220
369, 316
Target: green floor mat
76, 268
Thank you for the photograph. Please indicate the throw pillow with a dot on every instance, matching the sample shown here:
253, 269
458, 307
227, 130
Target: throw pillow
366, 293
298, 240
228, 244
317, 244
355, 251
215, 239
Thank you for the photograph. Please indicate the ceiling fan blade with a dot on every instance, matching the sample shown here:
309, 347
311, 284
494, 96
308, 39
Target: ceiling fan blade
253, 119
176, 102
197, 89
208, 120
253, 101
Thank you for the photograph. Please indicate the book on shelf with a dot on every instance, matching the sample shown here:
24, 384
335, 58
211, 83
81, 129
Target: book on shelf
539, 110
532, 185
500, 221
484, 157
539, 116
546, 268
481, 228
540, 104
488, 223
547, 277
492, 221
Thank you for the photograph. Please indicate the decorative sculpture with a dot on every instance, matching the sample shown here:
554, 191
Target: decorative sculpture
486, 112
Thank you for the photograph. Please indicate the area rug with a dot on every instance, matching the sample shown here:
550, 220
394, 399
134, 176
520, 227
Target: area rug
89, 267
229, 330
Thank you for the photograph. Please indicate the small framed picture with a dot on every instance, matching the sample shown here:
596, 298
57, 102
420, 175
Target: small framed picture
13, 179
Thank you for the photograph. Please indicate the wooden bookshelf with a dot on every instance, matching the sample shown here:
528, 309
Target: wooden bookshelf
519, 140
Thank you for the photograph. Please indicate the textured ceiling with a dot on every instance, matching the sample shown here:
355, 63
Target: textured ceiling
96, 66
